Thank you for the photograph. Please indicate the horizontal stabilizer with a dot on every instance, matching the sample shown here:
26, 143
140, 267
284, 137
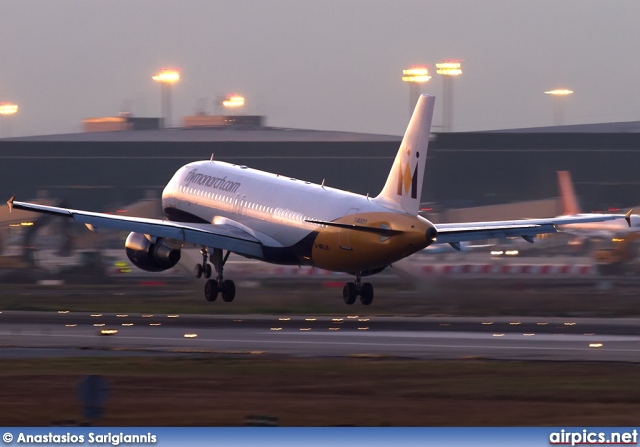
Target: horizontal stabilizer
525, 228
453, 235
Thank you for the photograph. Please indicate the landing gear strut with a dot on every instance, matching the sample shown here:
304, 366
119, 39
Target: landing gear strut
219, 285
352, 290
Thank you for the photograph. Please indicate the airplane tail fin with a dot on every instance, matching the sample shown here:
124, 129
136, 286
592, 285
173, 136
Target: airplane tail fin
568, 199
404, 185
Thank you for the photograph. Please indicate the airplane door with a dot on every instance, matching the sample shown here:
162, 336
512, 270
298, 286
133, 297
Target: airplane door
344, 234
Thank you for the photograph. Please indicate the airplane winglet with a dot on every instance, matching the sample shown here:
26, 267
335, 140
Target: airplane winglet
627, 216
10, 203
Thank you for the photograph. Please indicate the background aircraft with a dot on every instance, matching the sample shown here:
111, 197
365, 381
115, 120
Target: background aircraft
570, 207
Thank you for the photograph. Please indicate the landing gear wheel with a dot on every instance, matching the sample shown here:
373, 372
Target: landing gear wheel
228, 291
349, 293
216, 286
366, 293
211, 290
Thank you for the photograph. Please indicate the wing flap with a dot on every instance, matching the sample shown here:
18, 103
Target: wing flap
223, 236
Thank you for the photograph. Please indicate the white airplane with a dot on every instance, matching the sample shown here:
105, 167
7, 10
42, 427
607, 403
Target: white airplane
231, 208
569, 203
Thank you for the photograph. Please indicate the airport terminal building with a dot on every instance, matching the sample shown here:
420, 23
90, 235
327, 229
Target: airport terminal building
103, 171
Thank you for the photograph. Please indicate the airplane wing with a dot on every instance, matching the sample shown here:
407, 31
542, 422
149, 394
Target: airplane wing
453, 233
225, 237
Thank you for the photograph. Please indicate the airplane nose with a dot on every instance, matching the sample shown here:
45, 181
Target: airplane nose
431, 235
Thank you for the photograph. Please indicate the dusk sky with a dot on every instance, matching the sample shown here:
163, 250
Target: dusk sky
329, 65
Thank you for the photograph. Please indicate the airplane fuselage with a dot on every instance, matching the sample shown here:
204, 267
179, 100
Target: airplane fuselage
275, 209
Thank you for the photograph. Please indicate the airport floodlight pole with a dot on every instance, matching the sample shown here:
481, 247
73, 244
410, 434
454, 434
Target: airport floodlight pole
166, 77
558, 104
6, 110
233, 102
414, 76
448, 68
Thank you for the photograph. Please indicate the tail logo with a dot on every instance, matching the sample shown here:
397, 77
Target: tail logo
406, 181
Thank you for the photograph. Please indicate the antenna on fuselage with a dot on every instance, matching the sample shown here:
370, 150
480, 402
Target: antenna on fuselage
211, 159
322, 184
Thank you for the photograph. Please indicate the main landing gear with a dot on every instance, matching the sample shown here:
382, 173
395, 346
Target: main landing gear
352, 290
219, 285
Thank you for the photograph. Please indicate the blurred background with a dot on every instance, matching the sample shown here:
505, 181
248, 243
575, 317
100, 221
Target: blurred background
470, 176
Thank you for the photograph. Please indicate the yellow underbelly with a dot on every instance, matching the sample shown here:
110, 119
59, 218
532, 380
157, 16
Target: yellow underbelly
346, 250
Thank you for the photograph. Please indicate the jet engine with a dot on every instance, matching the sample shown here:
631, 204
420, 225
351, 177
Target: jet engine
151, 256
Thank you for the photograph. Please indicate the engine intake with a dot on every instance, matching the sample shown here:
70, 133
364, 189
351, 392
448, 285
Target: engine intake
150, 256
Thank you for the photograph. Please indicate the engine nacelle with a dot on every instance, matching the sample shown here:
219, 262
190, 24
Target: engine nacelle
150, 256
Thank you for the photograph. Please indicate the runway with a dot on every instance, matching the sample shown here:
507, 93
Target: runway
49, 334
